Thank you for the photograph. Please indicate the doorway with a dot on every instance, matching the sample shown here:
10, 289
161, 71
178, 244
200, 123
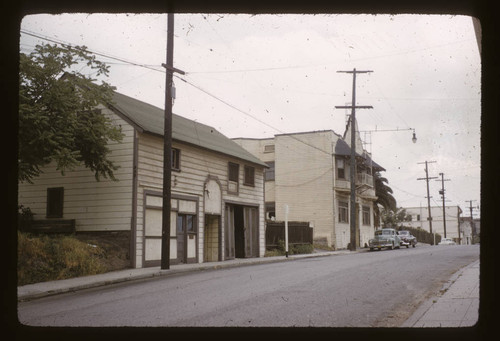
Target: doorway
186, 238
241, 232
212, 239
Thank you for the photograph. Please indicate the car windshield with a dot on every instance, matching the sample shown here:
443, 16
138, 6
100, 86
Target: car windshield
403, 233
380, 232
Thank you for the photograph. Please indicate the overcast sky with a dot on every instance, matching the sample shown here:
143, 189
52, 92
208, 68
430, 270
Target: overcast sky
257, 76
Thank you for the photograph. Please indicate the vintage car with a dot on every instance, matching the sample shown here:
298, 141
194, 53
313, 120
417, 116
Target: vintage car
447, 241
387, 238
407, 239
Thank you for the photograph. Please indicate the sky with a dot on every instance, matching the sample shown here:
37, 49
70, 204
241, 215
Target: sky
259, 75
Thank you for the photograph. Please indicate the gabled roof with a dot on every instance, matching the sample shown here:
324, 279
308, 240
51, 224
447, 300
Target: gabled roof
150, 119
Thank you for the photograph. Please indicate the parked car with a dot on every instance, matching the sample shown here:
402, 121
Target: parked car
447, 241
407, 239
387, 238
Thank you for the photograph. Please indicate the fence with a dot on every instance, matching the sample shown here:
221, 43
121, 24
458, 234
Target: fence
298, 233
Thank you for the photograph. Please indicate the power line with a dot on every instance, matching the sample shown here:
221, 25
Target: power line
182, 79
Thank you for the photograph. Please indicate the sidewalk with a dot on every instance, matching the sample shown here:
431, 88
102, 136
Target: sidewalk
38, 290
457, 306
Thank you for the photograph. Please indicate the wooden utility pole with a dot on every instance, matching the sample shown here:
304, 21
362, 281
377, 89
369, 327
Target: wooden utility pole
444, 208
353, 108
167, 147
473, 227
428, 195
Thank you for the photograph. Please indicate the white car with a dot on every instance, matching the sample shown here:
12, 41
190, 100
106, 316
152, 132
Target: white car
447, 241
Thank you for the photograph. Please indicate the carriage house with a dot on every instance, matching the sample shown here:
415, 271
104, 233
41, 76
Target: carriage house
217, 191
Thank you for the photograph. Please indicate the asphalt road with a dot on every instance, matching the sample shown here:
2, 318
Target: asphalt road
367, 289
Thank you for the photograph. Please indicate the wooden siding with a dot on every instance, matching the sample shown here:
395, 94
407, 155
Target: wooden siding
195, 167
96, 205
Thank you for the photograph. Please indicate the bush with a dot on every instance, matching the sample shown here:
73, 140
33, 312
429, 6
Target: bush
292, 249
43, 258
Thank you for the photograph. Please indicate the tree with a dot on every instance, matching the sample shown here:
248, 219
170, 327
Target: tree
384, 196
58, 117
394, 218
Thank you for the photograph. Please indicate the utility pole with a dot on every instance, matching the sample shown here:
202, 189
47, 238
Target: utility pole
428, 195
167, 147
444, 208
353, 108
471, 217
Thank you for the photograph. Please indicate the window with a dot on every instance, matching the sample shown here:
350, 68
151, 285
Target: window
270, 210
269, 173
233, 174
176, 160
269, 148
249, 176
366, 215
55, 200
234, 169
418, 217
340, 168
343, 212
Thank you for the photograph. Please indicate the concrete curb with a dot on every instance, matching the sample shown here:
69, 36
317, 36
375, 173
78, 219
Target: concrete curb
44, 289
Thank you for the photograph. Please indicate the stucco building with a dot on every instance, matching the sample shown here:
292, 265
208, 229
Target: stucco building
309, 172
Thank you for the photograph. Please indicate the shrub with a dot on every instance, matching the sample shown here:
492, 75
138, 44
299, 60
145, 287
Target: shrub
292, 249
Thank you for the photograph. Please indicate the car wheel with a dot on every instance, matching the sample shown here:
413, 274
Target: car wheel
391, 247
407, 246
371, 249
413, 245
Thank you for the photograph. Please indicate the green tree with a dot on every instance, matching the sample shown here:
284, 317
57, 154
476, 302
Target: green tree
394, 218
384, 196
58, 117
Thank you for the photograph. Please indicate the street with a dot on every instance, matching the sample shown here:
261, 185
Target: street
366, 289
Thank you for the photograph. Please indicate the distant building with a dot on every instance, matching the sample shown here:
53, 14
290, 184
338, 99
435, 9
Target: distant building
419, 219
470, 228
309, 172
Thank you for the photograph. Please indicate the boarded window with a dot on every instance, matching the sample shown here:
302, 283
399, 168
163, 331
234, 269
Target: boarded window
366, 215
269, 173
249, 176
233, 171
343, 212
55, 201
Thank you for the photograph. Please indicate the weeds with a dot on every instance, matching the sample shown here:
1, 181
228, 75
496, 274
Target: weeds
43, 258
292, 249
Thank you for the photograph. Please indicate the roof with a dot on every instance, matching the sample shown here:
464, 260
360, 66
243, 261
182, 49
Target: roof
342, 148
150, 119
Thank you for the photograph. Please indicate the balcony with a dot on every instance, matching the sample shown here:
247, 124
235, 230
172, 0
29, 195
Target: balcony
364, 179
364, 184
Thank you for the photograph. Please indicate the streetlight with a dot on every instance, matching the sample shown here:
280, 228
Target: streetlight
414, 138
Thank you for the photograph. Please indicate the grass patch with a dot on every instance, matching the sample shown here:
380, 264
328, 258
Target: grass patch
42, 258
323, 247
